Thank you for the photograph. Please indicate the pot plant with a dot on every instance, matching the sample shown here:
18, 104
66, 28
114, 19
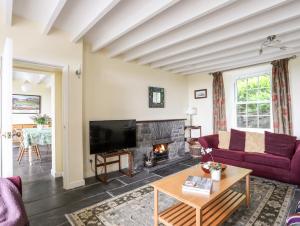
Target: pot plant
41, 120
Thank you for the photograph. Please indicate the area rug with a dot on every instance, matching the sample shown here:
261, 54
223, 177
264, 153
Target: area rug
270, 202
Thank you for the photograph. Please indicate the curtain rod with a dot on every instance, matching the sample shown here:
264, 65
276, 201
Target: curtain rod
290, 58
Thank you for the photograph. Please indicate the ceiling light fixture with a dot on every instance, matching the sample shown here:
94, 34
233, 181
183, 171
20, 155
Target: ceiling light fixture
26, 86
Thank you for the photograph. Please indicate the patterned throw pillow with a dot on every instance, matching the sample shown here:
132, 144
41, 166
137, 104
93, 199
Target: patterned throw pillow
294, 219
224, 140
255, 142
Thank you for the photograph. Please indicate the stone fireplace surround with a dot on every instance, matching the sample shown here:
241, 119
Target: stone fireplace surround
157, 132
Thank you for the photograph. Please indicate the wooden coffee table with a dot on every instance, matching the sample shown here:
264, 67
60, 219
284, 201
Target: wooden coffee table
198, 209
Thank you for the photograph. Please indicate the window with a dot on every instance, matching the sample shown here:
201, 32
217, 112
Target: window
253, 101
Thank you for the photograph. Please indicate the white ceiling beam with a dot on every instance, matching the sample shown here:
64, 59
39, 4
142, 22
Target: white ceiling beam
286, 39
179, 15
53, 16
8, 12
238, 57
225, 45
263, 20
109, 5
237, 12
131, 15
246, 62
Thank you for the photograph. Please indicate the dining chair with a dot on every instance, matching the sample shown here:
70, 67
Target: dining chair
23, 150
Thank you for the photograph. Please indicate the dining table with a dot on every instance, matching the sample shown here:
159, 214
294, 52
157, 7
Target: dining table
36, 136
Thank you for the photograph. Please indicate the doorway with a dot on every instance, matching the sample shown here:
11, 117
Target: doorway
44, 155
33, 109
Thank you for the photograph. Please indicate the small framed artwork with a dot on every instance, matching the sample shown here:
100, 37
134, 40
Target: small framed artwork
200, 93
156, 97
26, 104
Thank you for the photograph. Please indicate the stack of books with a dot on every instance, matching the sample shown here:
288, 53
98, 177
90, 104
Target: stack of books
200, 185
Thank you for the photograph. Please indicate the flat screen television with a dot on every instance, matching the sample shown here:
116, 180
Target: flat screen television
113, 135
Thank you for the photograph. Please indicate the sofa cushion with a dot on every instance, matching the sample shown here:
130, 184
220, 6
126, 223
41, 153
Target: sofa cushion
224, 139
237, 140
280, 144
268, 160
255, 142
228, 154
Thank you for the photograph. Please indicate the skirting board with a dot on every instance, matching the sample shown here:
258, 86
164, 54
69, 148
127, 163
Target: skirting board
56, 174
74, 184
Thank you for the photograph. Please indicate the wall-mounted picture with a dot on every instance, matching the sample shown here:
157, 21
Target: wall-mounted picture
200, 93
156, 97
26, 104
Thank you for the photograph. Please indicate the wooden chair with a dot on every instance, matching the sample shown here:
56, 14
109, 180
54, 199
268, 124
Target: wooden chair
23, 150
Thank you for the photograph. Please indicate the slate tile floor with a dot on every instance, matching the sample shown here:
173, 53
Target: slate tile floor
46, 201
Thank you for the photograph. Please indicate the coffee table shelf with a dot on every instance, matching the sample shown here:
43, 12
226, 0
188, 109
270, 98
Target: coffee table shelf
214, 214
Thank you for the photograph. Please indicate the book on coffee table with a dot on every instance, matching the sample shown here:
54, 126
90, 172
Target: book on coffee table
197, 184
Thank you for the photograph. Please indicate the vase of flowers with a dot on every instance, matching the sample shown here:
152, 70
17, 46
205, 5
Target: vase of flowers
215, 171
41, 120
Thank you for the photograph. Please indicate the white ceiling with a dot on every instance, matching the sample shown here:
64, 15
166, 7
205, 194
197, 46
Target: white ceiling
34, 78
181, 36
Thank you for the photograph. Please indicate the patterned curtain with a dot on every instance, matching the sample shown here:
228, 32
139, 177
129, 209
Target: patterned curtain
281, 98
219, 103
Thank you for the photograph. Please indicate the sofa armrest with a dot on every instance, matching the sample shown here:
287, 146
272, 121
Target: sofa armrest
295, 165
17, 182
210, 141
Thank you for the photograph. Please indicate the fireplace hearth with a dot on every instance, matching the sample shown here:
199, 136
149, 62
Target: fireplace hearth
158, 142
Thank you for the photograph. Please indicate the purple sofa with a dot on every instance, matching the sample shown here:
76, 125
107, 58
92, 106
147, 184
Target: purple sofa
263, 164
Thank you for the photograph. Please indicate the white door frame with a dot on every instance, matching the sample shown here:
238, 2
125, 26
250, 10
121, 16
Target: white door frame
6, 166
65, 116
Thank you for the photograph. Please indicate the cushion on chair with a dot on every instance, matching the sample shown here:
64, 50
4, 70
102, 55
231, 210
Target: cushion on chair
268, 160
237, 140
255, 142
280, 144
224, 140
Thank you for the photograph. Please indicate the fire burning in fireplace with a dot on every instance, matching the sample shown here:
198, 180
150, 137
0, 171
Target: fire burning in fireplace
160, 152
160, 148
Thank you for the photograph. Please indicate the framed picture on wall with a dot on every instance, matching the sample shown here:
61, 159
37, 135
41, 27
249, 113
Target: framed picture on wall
26, 104
200, 93
156, 97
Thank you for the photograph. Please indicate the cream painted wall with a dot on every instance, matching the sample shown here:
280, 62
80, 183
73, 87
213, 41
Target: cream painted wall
205, 109
54, 49
37, 89
114, 89
204, 115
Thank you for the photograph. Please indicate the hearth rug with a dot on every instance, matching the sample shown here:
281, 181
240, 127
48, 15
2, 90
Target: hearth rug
270, 202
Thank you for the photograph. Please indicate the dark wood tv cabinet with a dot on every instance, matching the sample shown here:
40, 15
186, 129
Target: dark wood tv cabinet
101, 160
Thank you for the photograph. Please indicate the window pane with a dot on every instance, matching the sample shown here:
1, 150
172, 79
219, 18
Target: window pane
264, 81
241, 109
241, 121
242, 89
253, 83
264, 109
264, 94
264, 122
252, 109
252, 122
252, 94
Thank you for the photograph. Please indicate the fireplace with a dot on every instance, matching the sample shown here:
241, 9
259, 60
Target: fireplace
160, 152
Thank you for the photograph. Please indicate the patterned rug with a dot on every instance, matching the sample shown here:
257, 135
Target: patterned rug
270, 202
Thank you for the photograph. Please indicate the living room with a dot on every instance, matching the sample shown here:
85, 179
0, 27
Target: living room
156, 67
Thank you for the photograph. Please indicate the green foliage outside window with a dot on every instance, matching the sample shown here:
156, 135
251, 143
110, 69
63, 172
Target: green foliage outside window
254, 102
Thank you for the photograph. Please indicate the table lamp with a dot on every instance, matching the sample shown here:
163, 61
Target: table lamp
191, 111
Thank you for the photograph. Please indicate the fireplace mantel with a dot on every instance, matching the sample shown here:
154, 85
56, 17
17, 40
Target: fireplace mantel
161, 120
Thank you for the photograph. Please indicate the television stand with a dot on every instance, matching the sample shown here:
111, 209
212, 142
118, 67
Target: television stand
101, 161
